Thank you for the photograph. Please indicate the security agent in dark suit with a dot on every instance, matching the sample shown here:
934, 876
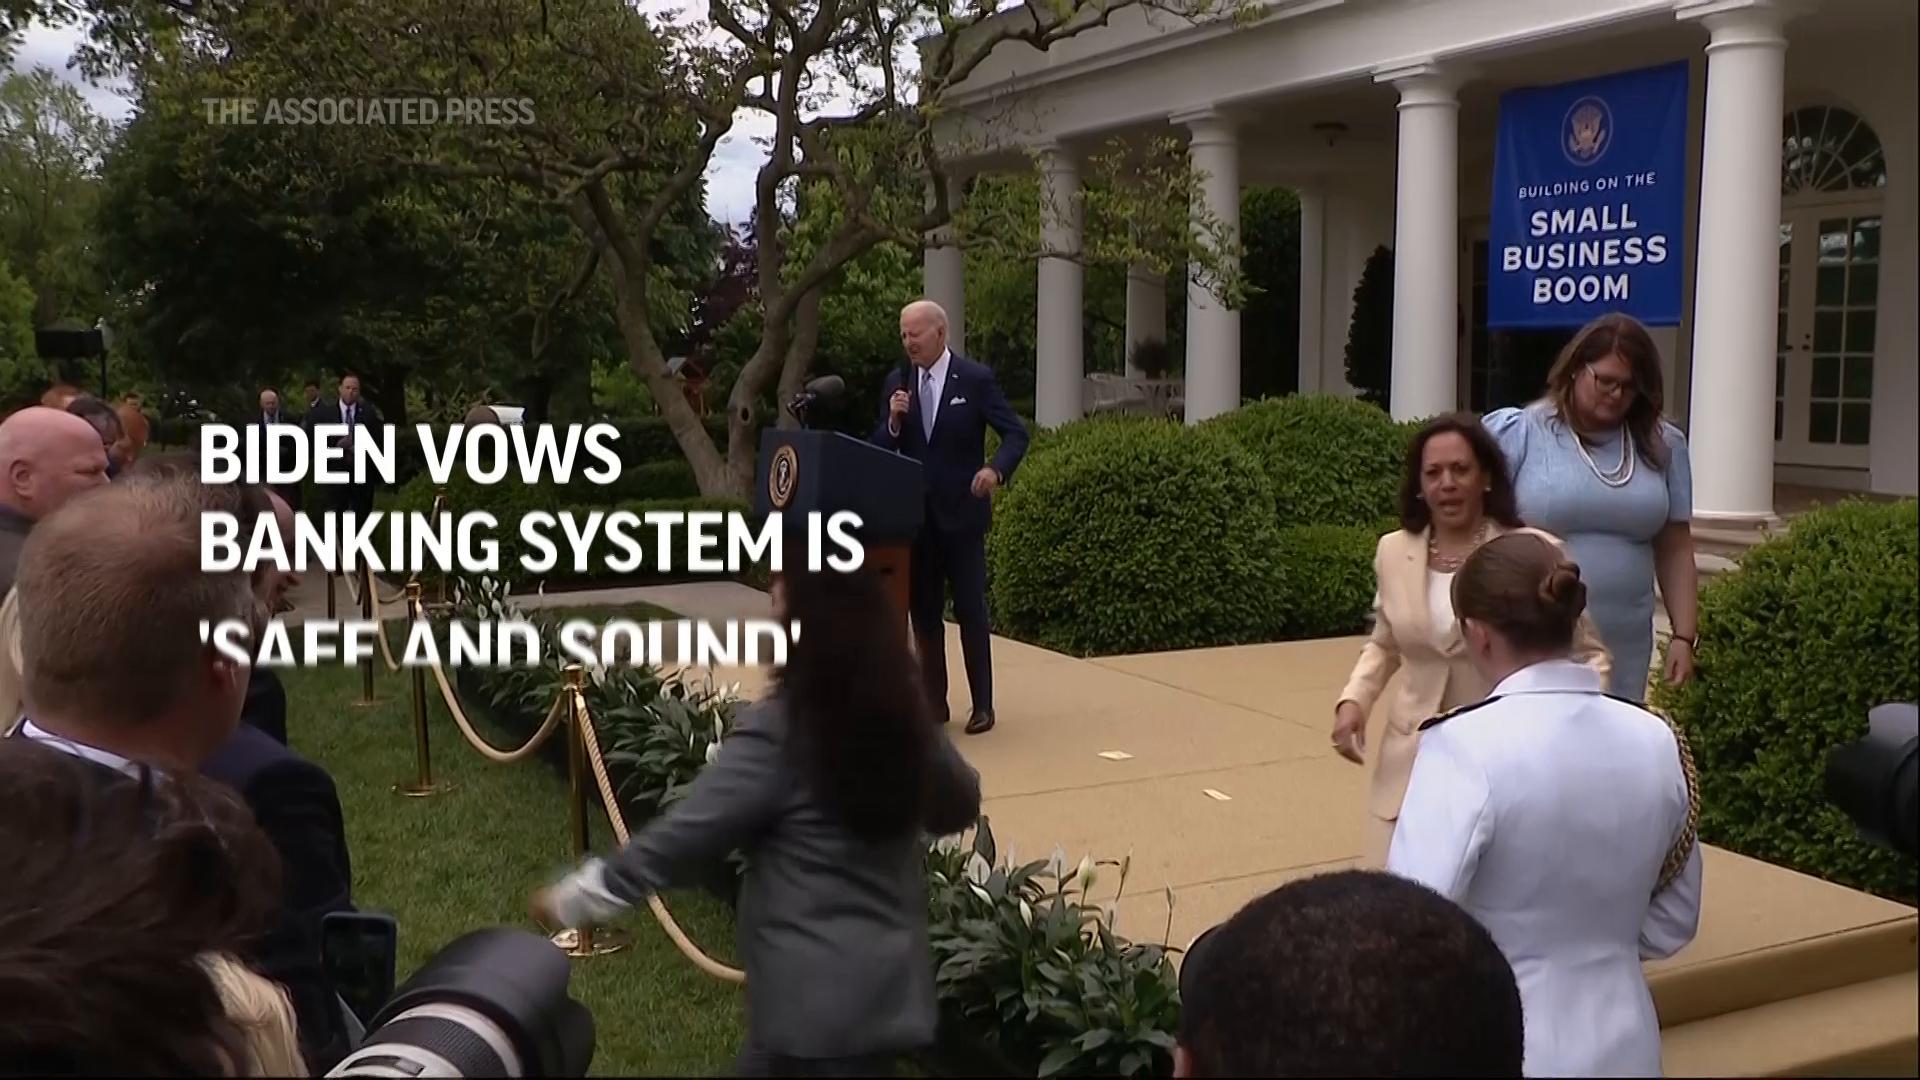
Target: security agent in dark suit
270, 415
829, 786
938, 413
355, 412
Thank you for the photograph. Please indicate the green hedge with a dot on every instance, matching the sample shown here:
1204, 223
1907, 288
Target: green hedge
1327, 581
1329, 460
1811, 631
1124, 537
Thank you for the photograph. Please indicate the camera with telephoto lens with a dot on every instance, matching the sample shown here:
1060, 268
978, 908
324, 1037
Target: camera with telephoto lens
492, 1003
1874, 779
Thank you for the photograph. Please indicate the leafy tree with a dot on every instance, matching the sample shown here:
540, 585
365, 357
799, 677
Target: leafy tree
23, 376
1270, 322
51, 147
269, 254
621, 113
1370, 336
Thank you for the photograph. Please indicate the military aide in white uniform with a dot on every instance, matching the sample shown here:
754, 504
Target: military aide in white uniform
1559, 817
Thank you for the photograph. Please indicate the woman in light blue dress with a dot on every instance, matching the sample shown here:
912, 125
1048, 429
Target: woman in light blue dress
1594, 463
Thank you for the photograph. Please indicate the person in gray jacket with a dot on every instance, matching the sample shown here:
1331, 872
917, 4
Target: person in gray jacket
830, 786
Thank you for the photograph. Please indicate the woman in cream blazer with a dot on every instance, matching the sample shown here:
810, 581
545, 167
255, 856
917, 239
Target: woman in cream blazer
1455, 496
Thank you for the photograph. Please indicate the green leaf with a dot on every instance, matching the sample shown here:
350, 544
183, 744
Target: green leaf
1058, 1059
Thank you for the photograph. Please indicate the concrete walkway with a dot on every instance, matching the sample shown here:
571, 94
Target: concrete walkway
1211, 769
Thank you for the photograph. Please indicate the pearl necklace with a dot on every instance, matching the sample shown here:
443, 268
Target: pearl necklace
1448, 564
1620, 475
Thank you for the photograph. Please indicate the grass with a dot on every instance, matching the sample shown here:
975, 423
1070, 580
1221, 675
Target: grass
470, 857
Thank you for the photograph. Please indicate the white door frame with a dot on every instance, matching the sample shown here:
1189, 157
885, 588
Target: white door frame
1804, 213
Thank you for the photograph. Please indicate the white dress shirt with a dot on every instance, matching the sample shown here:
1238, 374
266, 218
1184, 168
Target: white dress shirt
30, 730
1547, 815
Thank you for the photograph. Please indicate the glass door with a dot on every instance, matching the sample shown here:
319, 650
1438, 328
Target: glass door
1823, 363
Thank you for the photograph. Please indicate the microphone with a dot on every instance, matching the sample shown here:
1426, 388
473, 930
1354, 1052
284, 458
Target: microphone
824, 388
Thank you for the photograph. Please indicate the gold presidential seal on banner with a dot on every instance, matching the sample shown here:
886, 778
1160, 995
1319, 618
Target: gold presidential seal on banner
1588, 130
782, 476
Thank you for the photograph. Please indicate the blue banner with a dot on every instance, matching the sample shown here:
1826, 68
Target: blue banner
1589, 201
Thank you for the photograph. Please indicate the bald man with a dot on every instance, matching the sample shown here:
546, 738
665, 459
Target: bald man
938, 408
47, 456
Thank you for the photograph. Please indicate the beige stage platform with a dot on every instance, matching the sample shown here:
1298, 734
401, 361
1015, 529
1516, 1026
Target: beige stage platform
1228, 788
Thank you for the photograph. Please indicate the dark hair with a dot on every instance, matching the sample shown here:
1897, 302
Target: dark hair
101, 415
115, 888
1353, 973
1622, 336
1524, 586
1500, 503
857, 710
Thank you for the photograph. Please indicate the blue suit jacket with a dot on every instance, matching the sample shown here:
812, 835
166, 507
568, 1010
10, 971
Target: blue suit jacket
970, 402
296, 805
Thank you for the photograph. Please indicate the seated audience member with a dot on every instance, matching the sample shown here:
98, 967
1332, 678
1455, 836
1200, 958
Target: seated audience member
104, 420
47, 456
138, 431
126, 896
92, 627
295, 802
1355, 973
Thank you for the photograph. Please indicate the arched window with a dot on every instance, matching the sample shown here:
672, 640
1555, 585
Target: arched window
1828, 149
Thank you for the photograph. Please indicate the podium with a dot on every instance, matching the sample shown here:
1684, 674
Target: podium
804, 472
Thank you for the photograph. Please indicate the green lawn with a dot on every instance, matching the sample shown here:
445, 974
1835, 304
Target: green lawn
470, 857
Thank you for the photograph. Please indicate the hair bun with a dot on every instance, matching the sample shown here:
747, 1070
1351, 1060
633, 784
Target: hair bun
1563, 591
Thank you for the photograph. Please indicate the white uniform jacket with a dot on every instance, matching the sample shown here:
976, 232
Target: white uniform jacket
1547, 812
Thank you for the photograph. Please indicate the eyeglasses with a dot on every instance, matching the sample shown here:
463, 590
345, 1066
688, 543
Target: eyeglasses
1609, 385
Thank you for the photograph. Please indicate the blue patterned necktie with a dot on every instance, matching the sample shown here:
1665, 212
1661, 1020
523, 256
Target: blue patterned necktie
929, 401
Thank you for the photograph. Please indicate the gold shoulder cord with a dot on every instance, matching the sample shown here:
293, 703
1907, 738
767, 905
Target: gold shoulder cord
1690, 834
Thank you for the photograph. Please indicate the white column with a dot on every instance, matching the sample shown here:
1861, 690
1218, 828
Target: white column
1313, 243
1057, 330
1426, 237
1146, 312
1731, 434
1213, 328
945, 273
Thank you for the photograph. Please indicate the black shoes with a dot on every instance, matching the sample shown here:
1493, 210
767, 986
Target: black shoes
981, 722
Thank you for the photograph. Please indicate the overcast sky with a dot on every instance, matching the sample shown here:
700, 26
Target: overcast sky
729, 176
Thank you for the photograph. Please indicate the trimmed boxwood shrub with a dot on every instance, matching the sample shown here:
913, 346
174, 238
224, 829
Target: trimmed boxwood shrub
1133, 536
1329, 460
1327, 581
1811, 631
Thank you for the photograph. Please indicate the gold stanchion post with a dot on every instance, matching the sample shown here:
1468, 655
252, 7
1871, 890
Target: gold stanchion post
366, 615
440, 503
422, 784
587, 940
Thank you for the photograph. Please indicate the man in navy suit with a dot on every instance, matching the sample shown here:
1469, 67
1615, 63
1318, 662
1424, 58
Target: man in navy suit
938, 414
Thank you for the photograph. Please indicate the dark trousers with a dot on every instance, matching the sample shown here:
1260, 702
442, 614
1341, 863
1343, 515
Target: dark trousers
752, 1062
960, 558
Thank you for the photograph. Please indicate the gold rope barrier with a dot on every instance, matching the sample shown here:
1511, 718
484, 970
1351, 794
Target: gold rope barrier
422, 784
484, 748
589, 742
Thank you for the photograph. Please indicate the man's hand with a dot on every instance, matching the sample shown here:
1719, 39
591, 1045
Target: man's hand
897, 407
984, 481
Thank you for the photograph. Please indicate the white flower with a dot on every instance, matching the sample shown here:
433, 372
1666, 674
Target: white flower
1086, 874
713, 751
981, 893
978, 870
1057, 862
1026, 914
